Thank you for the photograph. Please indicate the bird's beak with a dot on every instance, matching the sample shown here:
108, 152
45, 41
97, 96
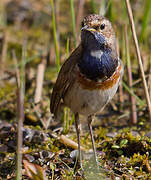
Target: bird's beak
88, 29
98, 36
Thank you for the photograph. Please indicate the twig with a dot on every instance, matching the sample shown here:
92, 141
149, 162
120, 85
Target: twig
129, 10
39, 81
130, 79
68, 142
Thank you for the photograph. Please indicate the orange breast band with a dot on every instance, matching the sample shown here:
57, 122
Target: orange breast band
104, 85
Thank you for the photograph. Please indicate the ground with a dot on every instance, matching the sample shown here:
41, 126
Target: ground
123, 143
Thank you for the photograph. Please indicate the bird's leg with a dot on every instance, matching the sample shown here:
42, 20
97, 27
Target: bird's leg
92, 139
77, 125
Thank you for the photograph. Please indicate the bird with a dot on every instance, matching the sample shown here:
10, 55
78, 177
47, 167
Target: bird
90, 77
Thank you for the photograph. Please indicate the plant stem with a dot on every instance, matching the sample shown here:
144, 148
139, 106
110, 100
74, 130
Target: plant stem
20, 110
130, 15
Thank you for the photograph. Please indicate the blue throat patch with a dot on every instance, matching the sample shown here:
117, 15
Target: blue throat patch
96, 68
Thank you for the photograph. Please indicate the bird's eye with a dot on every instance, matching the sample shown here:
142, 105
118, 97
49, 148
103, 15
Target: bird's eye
102, 26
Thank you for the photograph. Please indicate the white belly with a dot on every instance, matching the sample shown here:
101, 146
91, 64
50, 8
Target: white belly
88, 102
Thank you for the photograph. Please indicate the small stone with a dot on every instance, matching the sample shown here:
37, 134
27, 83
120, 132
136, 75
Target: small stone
74, 154
112, 135
29, 157
27, 134
46, 154
135, 133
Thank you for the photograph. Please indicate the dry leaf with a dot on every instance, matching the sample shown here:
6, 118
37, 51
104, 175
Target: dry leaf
34, 171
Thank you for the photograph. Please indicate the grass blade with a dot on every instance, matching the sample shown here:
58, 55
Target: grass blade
93, 5
55, 36
145, 19
139, 101
104, 5
73, 21
67, 48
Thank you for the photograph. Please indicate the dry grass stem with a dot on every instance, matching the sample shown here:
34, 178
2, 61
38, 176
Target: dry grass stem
130, 80
17, 73
79, 15
51, 54
121, 97
20, 109
129, 10
4, 48
149, 81
39, 82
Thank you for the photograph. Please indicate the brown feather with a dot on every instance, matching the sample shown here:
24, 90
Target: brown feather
65, 79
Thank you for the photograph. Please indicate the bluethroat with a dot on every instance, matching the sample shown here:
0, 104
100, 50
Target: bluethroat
89, 78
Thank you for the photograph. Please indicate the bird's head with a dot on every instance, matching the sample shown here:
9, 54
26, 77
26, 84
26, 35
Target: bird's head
97, 32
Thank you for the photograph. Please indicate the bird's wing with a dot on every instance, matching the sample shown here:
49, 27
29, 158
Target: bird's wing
65, 79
